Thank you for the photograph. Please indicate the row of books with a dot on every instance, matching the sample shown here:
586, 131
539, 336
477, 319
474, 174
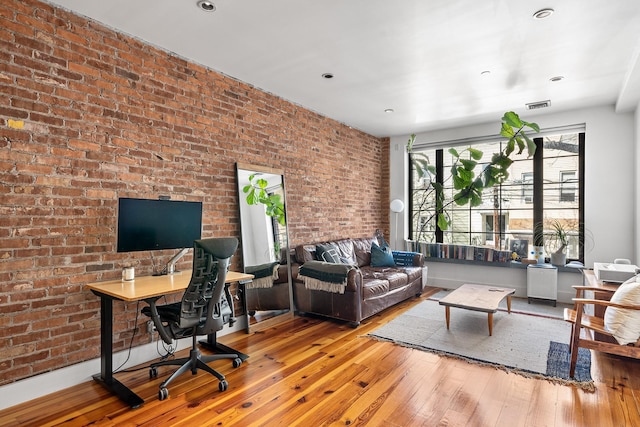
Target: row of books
462, 252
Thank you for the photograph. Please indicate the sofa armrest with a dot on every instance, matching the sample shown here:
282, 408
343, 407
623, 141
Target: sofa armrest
353, 275
408, 259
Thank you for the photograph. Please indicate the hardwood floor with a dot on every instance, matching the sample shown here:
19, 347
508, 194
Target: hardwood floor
314, 372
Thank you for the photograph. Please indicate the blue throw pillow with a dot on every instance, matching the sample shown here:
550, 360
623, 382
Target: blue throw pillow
381, 256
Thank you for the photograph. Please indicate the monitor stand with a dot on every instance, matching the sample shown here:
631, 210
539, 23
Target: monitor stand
171, 265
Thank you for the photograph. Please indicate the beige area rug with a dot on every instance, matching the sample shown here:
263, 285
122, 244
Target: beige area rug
531, 345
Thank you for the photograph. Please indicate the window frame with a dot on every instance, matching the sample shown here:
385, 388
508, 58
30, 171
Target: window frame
538, 188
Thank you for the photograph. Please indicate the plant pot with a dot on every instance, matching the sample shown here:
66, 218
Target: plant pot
558, 258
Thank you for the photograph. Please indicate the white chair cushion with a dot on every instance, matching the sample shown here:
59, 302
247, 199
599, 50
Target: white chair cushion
624, 324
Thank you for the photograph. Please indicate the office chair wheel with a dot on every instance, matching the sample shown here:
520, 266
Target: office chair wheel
237, 362
163, 394
153, 372
223, 385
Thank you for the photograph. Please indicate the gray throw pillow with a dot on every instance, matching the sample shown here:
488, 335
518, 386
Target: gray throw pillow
327, 252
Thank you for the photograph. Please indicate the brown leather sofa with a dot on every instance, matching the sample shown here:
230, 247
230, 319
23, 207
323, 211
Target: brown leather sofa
368, 289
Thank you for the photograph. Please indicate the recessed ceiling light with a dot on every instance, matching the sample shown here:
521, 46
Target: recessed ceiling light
543, 13
327, 75
485, 73
389, 110
207, 6
556, 78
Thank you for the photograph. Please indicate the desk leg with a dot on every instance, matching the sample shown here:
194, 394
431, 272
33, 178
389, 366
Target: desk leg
243, 291
106, 357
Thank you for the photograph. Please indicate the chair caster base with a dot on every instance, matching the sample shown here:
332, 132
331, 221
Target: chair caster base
163, 393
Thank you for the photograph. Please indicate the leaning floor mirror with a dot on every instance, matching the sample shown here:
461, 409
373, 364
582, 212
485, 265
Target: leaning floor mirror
265, 244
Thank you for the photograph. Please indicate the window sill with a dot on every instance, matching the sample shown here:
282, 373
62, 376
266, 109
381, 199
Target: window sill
510, 264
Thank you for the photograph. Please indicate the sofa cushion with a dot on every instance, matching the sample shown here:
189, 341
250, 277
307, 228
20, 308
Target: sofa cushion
397, 279
381, 256
374, 288
413, 273
362, 250
327, 252
624, 324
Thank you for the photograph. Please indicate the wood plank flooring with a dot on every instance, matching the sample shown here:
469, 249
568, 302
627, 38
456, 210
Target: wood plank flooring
315, 372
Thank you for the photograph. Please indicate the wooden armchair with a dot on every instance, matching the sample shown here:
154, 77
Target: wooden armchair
588, 330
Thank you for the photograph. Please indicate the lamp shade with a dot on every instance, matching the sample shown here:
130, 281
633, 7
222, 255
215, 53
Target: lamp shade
397, 205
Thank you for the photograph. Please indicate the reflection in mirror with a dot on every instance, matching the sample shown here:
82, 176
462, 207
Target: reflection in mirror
265, 249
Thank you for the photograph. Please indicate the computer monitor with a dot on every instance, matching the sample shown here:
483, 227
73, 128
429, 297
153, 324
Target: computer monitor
148, 224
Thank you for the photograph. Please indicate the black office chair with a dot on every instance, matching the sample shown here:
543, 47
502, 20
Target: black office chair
205, 308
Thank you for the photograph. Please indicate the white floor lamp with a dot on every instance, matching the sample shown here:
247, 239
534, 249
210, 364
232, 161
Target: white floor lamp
397, 206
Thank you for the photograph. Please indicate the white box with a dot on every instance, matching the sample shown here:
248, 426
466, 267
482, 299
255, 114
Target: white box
608, 272
542, 282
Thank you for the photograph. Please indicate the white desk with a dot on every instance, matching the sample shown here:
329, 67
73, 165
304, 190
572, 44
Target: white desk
142, 288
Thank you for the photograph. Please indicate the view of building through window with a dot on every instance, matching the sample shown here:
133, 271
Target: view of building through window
505, 219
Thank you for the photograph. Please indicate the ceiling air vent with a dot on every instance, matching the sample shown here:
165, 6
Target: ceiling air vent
537, 105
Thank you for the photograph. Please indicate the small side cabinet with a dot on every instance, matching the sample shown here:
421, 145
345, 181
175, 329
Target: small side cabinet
542, 282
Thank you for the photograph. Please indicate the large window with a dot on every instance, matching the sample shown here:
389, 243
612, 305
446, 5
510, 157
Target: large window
508, 211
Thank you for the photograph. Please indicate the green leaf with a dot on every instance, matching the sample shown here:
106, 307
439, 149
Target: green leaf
476, 199
443, 224
454, 153
469, 164
462, 197
507, 131
459, 183
512, 119
533, 126
531, 146
501, 161
510, 147
251, 198
412, 140
466, 175
475, 153
520, 144
262, 183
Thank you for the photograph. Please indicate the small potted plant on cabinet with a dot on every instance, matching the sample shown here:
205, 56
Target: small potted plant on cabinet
559, 240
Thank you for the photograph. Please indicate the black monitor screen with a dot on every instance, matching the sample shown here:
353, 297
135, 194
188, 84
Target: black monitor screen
145, 224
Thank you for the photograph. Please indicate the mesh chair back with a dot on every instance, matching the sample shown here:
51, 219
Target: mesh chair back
203, 304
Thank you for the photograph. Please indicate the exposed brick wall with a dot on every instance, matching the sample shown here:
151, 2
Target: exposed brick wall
88, 115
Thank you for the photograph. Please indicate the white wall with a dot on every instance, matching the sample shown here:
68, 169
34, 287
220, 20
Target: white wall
449, 275
610, 177
637, 184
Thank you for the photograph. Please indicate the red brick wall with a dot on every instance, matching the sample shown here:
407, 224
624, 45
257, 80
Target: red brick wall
88, 115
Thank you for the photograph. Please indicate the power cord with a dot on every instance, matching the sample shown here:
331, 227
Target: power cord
169, 350
135, 331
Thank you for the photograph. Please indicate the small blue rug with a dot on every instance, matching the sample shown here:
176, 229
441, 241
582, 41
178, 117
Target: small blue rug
558, 362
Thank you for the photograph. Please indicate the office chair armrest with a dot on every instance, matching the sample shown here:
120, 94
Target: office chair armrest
155, 316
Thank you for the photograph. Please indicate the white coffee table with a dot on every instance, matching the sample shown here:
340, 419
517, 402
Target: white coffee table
477, 298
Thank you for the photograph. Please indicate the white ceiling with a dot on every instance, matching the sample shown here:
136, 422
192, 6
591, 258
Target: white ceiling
421, 58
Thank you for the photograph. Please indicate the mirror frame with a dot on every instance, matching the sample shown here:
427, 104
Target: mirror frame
289, 314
